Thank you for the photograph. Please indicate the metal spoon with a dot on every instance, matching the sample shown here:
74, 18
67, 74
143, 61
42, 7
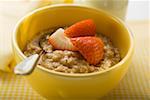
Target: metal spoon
26, 66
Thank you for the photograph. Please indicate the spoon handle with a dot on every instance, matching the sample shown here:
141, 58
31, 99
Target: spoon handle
27, 66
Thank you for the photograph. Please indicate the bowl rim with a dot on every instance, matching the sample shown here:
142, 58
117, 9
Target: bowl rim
125, 58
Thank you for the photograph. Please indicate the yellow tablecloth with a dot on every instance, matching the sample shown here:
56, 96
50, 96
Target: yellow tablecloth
134, 86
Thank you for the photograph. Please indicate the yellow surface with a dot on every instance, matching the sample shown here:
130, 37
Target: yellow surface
53, 84
134, 86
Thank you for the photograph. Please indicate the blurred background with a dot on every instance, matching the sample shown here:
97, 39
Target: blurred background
131, 9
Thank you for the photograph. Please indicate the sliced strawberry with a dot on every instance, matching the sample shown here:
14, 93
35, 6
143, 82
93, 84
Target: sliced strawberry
82, 28
92, 48
60, 41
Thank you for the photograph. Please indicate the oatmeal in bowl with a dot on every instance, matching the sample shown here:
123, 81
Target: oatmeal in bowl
76, 62
74, 49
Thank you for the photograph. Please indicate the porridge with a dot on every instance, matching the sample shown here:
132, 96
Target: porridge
70, 61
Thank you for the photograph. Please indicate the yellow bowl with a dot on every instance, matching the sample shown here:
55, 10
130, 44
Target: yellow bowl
54, 85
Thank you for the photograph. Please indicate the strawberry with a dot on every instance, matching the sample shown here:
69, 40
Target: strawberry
92, 48
82, 28
59, 41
